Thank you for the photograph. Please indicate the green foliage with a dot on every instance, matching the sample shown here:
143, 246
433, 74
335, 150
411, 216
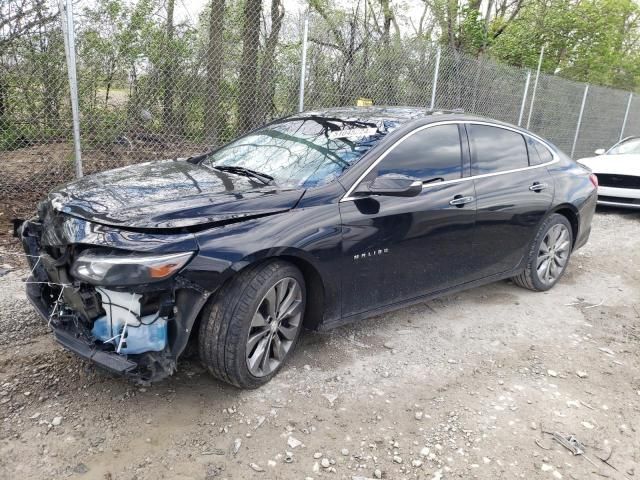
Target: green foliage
473, 31
127, 57
594, 41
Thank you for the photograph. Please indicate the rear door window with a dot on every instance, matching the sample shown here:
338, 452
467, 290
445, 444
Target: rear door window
496, 149
430, 153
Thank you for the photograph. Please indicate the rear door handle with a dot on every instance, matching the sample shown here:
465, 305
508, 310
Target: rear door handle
538, 187
460, 201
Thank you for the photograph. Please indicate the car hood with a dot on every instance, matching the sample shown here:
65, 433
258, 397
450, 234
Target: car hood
627, 164
169, 194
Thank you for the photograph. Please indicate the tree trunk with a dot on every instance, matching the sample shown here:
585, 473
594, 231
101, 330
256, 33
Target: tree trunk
387, 14
4, 97
111, 73
267, 73
214, 115
249, 65
167, 70
106, 95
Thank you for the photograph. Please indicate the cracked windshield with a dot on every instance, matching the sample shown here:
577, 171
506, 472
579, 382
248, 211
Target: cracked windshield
302, 152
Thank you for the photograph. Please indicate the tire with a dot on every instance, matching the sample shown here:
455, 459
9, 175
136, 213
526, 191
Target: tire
538, 274
239, 309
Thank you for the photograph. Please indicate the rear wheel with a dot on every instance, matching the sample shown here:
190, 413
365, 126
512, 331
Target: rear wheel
549, 255
253, 325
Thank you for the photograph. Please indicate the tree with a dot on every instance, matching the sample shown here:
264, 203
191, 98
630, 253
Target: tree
20, 20
342, 32
595, 42
266, 89
214, 103
247, 86
112, 40
167, 68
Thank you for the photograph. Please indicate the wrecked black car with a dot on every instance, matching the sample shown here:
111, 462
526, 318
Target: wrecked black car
313, 221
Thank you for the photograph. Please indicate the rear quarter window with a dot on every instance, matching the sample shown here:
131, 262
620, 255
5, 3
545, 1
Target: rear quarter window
543, 152
534, 157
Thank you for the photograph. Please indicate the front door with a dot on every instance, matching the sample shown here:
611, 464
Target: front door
396, 248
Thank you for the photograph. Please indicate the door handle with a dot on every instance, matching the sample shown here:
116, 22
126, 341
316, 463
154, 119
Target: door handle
538, 187
460, 201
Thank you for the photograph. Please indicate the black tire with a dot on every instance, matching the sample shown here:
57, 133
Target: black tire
227, 320
530, 278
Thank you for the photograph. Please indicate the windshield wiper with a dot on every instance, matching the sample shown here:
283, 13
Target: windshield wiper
261, 177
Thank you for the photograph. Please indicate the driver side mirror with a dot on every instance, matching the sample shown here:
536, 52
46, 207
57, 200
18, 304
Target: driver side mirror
600, 151
391, 185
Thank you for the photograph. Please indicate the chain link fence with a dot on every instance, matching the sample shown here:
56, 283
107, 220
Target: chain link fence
176, 91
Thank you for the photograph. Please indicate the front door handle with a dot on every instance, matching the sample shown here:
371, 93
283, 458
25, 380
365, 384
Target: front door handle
538, 187
460, 201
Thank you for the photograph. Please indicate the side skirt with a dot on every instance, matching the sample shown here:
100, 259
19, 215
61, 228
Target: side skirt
412, 301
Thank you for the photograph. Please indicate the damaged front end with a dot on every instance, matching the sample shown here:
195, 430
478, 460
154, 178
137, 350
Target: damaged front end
114, 297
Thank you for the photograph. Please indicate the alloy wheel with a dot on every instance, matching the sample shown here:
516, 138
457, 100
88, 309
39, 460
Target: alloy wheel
553, 254
274, 327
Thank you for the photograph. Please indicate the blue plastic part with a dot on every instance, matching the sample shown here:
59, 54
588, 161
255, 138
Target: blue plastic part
150, 336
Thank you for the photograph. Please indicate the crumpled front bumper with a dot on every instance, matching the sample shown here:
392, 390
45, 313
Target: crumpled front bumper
69, 307
75, 343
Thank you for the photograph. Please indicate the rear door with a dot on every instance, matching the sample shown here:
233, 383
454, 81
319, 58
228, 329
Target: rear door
398, 248
514, 191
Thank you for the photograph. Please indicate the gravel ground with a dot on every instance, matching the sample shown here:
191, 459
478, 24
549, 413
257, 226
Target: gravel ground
467, 386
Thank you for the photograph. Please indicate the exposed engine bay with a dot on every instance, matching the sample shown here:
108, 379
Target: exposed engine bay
133, 328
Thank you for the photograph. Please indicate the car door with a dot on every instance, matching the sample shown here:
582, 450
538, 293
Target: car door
398, 248
514, 191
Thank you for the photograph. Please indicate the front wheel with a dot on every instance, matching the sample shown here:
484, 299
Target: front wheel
549, 254
253, 325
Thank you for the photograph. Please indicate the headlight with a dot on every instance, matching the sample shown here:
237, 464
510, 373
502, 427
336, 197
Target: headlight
116, 268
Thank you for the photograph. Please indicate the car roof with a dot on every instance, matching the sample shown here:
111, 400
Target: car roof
406, 115
399, 114
626, 139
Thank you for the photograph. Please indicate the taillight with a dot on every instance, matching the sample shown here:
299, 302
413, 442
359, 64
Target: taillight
594, 180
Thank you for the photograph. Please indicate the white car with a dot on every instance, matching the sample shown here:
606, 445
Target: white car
618, 172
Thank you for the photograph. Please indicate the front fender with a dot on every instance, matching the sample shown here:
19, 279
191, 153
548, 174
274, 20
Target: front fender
309, 237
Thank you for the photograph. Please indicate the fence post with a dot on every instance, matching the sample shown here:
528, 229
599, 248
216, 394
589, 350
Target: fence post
535, 86
68, 32
435, 80
303, 66
626, 116
575, 138
524, 97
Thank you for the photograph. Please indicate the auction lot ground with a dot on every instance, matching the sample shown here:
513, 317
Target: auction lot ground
460, 387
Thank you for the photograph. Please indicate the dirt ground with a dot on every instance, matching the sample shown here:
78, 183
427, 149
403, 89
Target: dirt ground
467, 386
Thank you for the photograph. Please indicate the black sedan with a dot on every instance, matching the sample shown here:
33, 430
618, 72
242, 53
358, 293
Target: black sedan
314, 220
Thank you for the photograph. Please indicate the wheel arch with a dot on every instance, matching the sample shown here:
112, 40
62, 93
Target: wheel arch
316, 285
570, 212
315, 290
